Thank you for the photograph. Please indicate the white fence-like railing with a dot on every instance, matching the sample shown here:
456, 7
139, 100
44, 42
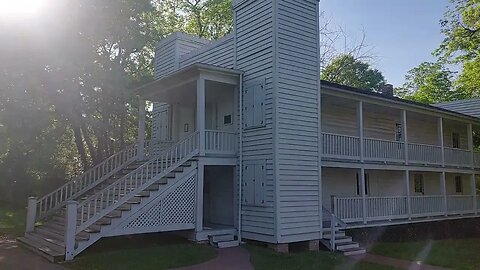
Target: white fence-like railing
118, 193
155, 147
220, 142
476, 159
423, 206
337, 146
381, 208
384, 150
460, 204
350, 209
457, 157
341, 146
84, 182
424, 153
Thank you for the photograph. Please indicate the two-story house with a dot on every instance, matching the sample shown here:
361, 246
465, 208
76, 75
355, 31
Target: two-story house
249, 144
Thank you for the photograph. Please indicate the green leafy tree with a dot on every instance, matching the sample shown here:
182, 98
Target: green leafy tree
429, 83
461, 45
345, 69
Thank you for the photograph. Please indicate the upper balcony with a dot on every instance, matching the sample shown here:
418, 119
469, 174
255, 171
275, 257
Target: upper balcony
368, 131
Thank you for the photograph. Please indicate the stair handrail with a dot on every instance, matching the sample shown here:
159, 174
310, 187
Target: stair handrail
80, 184
111, 197
333, 224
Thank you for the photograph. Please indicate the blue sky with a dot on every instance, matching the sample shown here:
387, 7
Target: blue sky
402, 33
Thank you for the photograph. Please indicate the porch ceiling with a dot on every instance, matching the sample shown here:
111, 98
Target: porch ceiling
182, 83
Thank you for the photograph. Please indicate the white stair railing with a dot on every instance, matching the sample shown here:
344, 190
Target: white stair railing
118, 193
71, 190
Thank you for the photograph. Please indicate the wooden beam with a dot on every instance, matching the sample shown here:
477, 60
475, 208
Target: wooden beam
201, 113
141, 129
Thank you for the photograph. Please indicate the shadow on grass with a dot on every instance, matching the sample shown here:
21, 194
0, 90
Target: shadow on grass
143, 252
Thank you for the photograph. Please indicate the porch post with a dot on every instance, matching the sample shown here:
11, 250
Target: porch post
405, 138
360, 129
201, 113
199, 209
473, 190
141, 129
70, 229
470, 143
406, 178
362, 192
440, 139
31, 214
443, 187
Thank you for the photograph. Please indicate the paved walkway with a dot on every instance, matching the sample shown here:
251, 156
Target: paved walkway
236, 258
15, 257
398, 263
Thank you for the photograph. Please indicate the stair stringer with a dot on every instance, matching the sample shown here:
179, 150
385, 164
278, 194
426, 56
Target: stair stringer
117, 225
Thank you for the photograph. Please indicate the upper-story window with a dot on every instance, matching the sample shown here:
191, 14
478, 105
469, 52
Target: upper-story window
458, 184
418, 183
254, 105
455, 140
398, 132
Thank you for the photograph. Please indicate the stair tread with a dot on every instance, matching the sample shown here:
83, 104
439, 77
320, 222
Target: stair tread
41, 247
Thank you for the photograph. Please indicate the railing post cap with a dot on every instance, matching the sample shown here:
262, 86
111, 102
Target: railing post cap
72, 202
32, 198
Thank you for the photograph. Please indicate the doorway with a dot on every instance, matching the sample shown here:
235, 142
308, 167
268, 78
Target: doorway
218, 199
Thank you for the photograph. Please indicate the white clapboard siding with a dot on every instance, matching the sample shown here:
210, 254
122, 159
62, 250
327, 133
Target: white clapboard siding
297, 119
255, 57
169, 50
218, 53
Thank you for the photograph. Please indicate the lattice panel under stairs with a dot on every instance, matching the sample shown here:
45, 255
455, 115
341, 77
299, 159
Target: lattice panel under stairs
178, 207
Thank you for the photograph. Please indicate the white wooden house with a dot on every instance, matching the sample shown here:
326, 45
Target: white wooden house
248, 143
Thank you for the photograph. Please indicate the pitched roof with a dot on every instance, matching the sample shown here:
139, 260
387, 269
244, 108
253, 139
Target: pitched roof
466, 106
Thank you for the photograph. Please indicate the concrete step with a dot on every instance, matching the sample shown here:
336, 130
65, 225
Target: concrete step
228, 244
42, 250
221, 238
353, 251
347, 245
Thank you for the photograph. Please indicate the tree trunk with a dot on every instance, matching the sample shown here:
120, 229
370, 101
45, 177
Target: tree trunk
80, 147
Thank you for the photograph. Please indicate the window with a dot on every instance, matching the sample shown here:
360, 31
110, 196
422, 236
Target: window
455, 140
227, 119
418, 183
254, 105
458, 184
398, 132
367, 184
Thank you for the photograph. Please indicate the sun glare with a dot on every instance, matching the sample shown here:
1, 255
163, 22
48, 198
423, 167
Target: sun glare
20, 7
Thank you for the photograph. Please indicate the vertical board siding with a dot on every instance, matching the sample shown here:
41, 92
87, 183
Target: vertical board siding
298, 119
218, 53
255, 57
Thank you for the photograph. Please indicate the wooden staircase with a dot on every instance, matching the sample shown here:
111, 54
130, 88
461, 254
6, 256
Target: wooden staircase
341, 242
125, 192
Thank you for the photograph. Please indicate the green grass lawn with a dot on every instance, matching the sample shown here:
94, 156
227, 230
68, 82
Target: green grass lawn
265, 259
146, 258
12, 221
451, 253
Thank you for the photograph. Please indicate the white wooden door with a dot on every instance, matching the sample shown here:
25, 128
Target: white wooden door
163, 131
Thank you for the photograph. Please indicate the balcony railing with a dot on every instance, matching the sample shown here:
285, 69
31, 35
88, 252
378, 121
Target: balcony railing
336, 146
220, 142
457, 157
386, 208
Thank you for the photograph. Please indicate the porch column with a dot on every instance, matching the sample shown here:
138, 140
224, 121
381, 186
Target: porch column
201, 113
473, 190
470, 142
199, 206
443, 188
362, 192
440, 139
406, 179
360, 129
405, 138
141, 129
